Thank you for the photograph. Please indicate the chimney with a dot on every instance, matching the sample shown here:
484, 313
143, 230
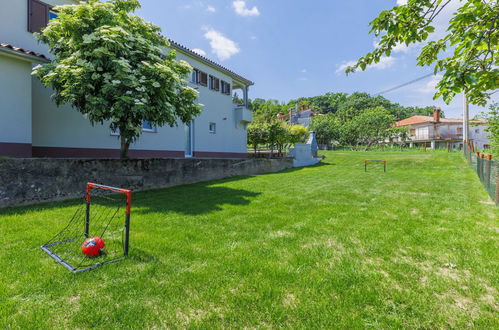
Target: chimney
436, 115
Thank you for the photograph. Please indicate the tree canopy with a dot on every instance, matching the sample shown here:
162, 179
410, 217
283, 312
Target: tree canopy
343, 104
113, 66
466, 54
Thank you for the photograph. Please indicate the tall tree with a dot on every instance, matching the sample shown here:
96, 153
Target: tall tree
466, 54
326, 128
111, 65
371, 126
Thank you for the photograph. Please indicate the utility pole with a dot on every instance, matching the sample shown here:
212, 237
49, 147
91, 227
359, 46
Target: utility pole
466, 117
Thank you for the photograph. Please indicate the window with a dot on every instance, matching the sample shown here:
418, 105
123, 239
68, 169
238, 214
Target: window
203, 78
213, 128
53, 15
38, 15
214, 83
195, 76
225, 88
459, 130
200, 77
412, 132
477, 130
147, 126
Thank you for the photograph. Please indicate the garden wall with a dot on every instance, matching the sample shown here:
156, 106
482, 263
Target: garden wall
29, 181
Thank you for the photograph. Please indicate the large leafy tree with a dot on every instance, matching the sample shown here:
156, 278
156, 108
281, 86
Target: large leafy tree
326, 128
370, 127
466, 54
113, 66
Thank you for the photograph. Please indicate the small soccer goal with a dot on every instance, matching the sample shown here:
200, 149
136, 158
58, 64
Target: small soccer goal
98, 232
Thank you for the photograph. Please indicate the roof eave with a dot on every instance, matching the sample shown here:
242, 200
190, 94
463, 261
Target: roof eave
214, 65
23, 56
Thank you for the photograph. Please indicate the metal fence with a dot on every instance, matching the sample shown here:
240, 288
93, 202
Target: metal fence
487, 170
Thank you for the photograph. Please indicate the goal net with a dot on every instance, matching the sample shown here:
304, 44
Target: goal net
104, 214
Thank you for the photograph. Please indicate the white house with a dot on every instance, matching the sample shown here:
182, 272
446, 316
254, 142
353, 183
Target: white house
31, 125
437, 131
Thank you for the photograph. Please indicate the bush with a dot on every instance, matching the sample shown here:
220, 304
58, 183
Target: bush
297, 133
276, 134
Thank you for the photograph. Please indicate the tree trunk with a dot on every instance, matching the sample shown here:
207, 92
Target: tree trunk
124, 147
368, 146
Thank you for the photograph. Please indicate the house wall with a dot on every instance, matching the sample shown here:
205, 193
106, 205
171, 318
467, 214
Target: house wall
480, 136
15, 107
64, 132
429, 131
231, 135
14, 24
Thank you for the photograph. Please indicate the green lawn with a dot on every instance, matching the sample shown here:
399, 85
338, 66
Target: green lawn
327, 246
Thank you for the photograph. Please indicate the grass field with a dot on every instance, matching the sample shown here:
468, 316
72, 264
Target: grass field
327, 246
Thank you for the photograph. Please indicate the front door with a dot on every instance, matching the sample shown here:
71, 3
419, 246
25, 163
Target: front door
189, 139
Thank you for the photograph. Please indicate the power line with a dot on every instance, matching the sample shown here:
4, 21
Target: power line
404, 84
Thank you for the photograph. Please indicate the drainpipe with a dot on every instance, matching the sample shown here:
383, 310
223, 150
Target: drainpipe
466, 115
246, 91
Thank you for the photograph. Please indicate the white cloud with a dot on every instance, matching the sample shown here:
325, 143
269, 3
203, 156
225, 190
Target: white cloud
211, 9
402, 48
384, 63
199, 51
221, 46
401, 2
430, 87
343, 66
241, 9
254, 38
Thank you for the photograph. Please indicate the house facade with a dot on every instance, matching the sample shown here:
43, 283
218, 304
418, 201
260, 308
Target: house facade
440, 132
31, 125
299, 117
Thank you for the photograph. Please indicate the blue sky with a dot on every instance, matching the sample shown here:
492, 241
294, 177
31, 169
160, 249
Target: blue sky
293, 48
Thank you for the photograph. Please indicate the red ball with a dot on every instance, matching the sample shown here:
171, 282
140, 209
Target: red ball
93, 247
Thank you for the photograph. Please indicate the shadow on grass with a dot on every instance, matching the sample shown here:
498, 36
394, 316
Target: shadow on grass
20, 210
139, 255
295, 169
193, 199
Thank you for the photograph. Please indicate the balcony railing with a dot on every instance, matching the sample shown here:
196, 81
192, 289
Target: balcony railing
427, 137
243, 114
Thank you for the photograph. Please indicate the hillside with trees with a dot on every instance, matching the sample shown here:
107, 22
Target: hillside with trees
358, 119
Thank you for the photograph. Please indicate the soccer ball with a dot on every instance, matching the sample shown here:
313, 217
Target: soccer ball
93, 247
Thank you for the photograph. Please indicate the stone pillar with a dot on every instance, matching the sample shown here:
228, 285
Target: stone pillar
411, 145
433, 144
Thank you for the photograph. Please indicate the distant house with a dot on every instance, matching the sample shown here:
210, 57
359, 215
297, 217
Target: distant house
301, 117
31, 125
439, 132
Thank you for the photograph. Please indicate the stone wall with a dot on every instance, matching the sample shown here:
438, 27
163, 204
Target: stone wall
30, 181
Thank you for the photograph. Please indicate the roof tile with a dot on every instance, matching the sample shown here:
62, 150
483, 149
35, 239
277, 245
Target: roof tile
414, 120
23, 51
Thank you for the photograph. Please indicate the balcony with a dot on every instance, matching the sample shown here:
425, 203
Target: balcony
435, 137
243, 115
